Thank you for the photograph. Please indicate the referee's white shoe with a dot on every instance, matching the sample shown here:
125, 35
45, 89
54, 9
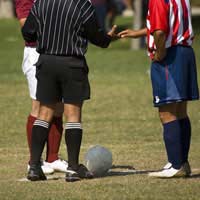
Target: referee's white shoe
168, 171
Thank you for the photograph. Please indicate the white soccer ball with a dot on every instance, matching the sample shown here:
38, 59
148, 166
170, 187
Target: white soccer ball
98, 160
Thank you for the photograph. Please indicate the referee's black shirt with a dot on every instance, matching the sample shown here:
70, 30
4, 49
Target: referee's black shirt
63, 27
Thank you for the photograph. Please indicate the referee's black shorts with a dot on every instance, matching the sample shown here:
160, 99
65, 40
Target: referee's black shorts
62, 78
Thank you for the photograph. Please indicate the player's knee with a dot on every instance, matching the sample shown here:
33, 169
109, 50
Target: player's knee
46, 113
73, 117
167, 117
182, 110
72, 112
35, 108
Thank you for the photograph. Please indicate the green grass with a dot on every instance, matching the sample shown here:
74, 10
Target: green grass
195, 2
119, 116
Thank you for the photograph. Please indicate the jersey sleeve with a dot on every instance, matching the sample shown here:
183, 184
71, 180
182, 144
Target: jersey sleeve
23, 8
159, 15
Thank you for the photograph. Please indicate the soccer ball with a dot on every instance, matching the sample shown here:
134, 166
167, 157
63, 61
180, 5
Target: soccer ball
98, 160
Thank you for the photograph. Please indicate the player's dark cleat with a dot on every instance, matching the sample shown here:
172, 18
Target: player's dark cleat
81, 172
72, 176
84, 172
35, 173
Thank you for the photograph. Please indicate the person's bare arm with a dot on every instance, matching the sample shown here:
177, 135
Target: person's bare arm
133, 33
22, 22
159, 39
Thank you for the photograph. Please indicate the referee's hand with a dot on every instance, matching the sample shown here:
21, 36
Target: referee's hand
112, 32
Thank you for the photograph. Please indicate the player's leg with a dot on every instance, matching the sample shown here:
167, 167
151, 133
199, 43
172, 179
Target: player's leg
171, 133
29, 69
185, 126
189, 77
29, 59
73, 133
169, 114
30, 121
73, 138
55, 135
40, 132
184, 136
75, 89
48, 94
174, 82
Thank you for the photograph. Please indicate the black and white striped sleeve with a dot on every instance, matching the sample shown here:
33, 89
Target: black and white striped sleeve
92, 30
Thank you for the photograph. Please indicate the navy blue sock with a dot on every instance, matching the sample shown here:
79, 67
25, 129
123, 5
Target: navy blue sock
172, 139
185, 137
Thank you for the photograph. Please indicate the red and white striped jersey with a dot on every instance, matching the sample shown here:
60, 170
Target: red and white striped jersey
174, 18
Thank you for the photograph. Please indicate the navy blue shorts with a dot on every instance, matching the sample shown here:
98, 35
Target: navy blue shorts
174, 79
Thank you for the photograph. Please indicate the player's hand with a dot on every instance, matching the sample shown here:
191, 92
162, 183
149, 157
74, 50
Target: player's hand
128, 33
112, 32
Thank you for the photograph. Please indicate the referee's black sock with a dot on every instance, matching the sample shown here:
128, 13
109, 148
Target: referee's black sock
39, 137
73, 138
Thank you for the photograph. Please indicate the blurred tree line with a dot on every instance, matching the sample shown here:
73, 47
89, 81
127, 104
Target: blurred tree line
7, 7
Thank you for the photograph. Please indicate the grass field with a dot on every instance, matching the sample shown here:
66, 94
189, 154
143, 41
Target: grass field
119, 116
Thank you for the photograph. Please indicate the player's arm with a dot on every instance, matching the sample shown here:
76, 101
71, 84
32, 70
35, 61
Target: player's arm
128, 33
22, 21
159, 39
29, 30
97, 35
159, 20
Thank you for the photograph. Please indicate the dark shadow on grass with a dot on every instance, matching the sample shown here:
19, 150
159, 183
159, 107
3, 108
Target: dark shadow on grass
126, 173
124, 170
194, 176
123, 167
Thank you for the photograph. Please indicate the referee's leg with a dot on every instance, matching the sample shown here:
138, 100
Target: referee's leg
40, 133
73, 138
73, 133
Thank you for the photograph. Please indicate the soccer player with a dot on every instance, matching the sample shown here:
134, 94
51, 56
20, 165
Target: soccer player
174, 77
62, 30
53, 163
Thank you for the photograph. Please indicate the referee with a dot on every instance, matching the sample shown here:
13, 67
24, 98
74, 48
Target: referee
62, 29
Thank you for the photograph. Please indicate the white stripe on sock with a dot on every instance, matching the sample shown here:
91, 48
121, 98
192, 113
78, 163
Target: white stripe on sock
71, 125
41, 123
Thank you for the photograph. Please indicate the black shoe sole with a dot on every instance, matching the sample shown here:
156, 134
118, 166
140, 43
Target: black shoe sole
36, 178
72, 179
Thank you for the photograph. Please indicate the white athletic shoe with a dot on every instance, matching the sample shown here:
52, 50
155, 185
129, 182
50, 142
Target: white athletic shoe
186, 167
168, 166
57, 165
169, 173
45, 169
